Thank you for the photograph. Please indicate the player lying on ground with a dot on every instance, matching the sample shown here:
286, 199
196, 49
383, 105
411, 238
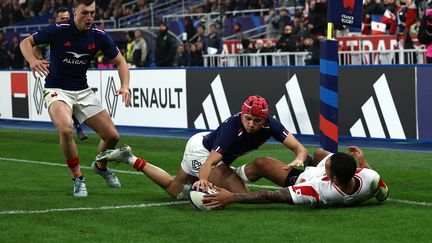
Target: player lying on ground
336, 180
208, 156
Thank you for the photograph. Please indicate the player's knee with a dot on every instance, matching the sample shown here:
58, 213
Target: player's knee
65, 131
113, 138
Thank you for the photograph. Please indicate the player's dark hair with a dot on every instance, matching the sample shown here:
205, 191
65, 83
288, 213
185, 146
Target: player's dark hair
85, 2
343, 166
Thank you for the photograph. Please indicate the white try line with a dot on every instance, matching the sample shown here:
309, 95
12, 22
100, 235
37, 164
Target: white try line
417, 203
144, 205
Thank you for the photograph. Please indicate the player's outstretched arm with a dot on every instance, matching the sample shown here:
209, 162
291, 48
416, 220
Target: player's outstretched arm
124, 75
212, 159
300, 151
224, 197
37, 66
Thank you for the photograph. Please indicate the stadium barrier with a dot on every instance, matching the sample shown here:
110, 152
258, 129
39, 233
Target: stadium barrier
374, 101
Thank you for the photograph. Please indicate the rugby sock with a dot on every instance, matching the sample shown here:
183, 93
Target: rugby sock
74, 167
137, 162
240, 171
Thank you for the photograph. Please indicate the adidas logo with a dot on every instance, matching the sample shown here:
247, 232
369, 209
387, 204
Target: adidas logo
299, 121
211, 112
67, 43
372, 119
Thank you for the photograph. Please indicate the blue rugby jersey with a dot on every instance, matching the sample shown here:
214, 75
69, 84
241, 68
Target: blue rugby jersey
71, 53
232, 141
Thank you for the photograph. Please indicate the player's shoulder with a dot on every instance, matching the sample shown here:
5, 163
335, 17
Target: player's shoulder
62, 25
367, 173
98, 29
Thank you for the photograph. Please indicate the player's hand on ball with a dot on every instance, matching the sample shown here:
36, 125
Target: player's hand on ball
40, 67
202, 184
126, 97
216, 200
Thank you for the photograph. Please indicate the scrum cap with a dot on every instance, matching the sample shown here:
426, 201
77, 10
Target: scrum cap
256, 106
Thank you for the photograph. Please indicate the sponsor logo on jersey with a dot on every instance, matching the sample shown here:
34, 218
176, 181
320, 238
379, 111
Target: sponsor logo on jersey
76, 58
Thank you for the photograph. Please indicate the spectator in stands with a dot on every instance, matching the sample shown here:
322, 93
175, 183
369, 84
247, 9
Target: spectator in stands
390, 6
166, 47
214, 41
4, 58
282, 20
130, 42
317, 19
414, 29
287, 41
139, 50
315, 49
239, 34
196, 57
272, 28
200, 36
15, 56
182, 58
269, 47
425, 34
190, 30
406, 13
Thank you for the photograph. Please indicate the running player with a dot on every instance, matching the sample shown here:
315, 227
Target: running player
62, 15
208, 156
336, 180
72, 46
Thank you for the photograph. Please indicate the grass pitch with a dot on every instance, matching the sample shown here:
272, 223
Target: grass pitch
37, 204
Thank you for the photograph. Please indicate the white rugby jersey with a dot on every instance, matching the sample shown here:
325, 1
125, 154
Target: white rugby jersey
314, 188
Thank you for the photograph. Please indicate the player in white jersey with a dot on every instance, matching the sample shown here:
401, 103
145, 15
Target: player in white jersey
335, 180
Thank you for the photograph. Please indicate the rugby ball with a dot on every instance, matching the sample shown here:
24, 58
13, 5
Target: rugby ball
196, 198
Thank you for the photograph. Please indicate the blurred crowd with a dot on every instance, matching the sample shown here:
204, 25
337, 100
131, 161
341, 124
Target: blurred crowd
287, 30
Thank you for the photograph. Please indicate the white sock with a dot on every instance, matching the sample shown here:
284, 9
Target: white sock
240, 171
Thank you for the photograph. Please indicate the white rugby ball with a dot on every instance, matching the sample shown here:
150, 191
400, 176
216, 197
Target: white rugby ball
196, 198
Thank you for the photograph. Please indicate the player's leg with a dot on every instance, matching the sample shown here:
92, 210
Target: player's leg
223, 176
270, 168
60, 114
78, 128
102, 124
172, 185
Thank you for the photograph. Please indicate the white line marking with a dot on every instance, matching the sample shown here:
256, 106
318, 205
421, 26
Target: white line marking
417, 203
144, 205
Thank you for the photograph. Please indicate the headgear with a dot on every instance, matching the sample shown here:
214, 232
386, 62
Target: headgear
256, 106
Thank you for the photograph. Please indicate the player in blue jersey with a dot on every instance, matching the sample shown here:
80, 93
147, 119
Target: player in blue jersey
73, 45
208, 155
62, 15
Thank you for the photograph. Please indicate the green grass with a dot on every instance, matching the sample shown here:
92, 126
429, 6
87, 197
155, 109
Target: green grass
29, 186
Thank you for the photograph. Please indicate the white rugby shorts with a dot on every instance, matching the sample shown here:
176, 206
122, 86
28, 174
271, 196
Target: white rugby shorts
84, 103
194, 155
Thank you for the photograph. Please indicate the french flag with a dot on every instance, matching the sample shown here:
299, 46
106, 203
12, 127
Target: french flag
378, 28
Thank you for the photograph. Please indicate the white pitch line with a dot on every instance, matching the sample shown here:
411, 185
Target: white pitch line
144, 205
417, 203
